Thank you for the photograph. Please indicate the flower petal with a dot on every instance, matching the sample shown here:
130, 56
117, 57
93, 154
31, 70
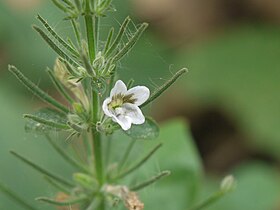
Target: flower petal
123, 121
105, 107
119, 88
140, 93
134, 113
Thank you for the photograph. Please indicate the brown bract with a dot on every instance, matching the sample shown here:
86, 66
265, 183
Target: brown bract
132, 201
63, 197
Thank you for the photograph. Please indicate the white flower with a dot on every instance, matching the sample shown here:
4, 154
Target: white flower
122, 105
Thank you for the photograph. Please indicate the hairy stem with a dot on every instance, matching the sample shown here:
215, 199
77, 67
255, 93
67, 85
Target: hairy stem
97, 146
89, 29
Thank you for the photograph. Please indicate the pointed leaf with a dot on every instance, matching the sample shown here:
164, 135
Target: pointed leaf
66, 156
75, 26
46, 120
16, 198
62, 203
150, 181
138, 164
36, 90
109, 39
59, 5
60, 87
69, 3
165, 86
57, 37
119, 37
148, 130
42, 170
103, 6
57, 186
130, 44
55, 47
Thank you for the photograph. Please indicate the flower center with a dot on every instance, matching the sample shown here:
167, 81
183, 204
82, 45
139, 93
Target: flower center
119, 99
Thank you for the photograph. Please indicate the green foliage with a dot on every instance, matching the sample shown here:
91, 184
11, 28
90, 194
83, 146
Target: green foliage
147, 130
85, 73
165, 86
16, 198
179, 155
36, 90
57, 48
57, 37
68, 202
46, 120
42, 170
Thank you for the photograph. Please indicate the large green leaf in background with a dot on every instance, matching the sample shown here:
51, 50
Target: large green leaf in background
13, 173
257, 188
178, 154
240, 72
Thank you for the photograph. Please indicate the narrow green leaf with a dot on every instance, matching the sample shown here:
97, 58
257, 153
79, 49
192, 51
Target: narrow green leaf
166, 85
47, 122
71, 43
150, 181
16, 198
66, 156
209, 201
126, 154
55, 47
130, 44
104, 6
130, 84
60, 6
42, 170
148, 130
139, 164
119, 37
57, 37
72, 71
69, 3
47, 114
88, 67
62, 203
60, 87
78, 4
57, 185
108, 41
36, 90
94, 204
76, 30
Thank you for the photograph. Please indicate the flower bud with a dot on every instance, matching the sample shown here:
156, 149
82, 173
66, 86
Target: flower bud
85, 181
228, 184
61, 73
99, 62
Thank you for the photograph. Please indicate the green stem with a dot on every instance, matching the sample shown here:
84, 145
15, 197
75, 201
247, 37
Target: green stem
90, 34
126, 154
96, 32
209, 201
96, 137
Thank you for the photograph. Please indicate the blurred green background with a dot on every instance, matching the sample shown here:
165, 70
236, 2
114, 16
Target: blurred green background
228, 104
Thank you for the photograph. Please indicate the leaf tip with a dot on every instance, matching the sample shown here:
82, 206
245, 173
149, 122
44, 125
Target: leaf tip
11, 67
184, 70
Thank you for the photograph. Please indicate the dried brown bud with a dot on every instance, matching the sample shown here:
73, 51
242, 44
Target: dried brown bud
132, 201
63, 197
